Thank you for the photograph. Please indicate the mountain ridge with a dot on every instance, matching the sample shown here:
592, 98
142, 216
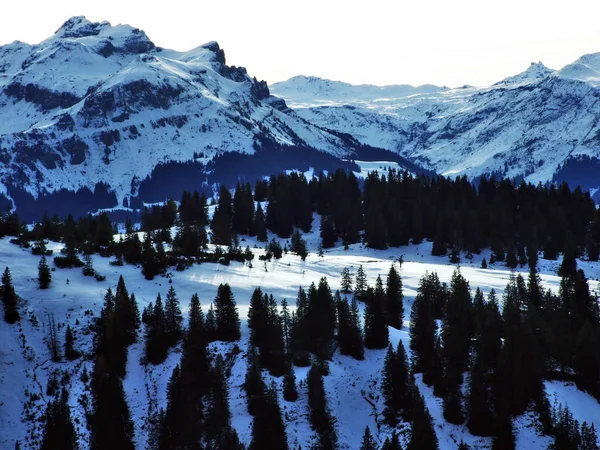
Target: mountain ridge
101, 107
529, 126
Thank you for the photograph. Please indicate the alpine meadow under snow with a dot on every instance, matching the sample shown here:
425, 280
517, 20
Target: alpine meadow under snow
353, 387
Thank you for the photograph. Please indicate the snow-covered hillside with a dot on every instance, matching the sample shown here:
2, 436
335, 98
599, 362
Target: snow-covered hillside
26, 364
99, 107
533, 125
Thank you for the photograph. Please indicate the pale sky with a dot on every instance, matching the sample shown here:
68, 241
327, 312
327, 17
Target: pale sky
379, 42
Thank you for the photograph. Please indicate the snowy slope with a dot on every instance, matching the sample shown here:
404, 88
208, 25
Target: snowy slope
525, 126
25, 364
97, 104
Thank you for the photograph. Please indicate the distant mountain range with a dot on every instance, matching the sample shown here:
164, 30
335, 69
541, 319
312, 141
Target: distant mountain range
98, 116
102, 111
540, 125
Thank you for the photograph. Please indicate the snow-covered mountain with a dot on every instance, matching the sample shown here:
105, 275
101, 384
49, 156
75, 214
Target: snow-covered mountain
102, 110
540, 125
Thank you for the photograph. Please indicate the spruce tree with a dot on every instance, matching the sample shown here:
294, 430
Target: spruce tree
368, 442
227, 321
173, 318
218, 418
268, 428
59, 432
395, 299
260, 225
423, 328
157, 346
457, 329
422, 431
290, 393
320, 417
346, 280
376, 329
9, 298
70, 352
360, 286
44, 274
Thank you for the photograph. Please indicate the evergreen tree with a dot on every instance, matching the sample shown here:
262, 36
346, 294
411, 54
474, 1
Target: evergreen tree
349, 329
260, 225
368, 442
290, 393
218, 416
320, 417
457, 330
9, 298
59, 432
173, 318
70, 352
422, 432
44, 274
395, 299
157, 346
253, 385
227, 320
88, 267
376, 330
423, 328
346, 280
111, 425
211, 324
360, 286
222, 217
268, 428
392, 444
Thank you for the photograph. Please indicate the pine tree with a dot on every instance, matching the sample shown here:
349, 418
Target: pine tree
227, 320
44, 274
346, 280
149, 258
268, 428
111, 424
59, 431
376, 329
422, 432
368, 443
423, 328
395, 299
392, 444
320, 417
253, 384
70, 352
222, 217
173, 318
218, 416
9, 298
157, 346
360, 286
260, 225
397, 386
457, 330
211, 324
290, 393
484, 264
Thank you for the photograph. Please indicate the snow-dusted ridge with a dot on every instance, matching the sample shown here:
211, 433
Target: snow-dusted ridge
98, 107
538, 125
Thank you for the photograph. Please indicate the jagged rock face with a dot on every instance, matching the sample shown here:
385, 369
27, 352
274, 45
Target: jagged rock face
101, 105
527, 126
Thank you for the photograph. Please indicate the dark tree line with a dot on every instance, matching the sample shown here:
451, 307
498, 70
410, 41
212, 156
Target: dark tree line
507, 354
